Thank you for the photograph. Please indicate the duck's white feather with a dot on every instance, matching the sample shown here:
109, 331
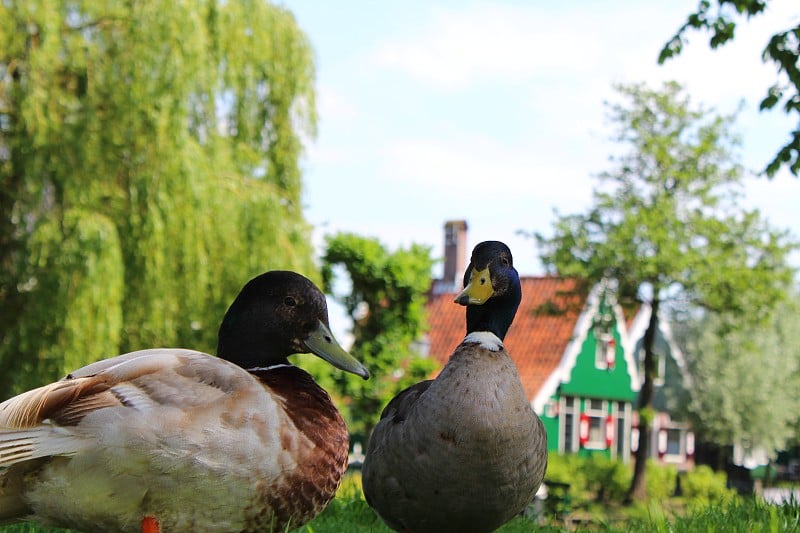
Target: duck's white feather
42, 441
486, 340
145, 421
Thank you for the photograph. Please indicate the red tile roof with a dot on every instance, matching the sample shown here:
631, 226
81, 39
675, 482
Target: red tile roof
536, 340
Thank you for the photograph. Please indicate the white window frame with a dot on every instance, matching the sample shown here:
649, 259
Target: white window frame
674, 458
601, 351
661, 367
593, 414
563, 411
621, 410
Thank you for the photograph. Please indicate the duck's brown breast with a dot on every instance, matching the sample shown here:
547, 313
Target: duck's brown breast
317, 437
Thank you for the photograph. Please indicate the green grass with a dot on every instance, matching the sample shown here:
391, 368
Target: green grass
30, 528
349, 512
352, 514
743, 515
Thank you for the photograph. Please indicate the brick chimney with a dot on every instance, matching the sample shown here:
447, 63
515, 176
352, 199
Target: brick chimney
455, 251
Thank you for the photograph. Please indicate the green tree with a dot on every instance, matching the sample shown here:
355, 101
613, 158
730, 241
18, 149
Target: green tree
386, 301
783, 49
148, 167
666, 224
739, 371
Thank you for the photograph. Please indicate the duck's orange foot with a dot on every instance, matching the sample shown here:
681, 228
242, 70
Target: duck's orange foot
150, 525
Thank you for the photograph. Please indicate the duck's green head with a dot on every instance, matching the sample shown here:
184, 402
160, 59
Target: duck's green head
492, 290
278, 314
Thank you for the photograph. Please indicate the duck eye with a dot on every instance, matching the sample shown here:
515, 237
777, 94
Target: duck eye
504, 261
289, 301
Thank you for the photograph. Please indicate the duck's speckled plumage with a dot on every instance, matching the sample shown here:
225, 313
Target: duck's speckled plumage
464, 452
195, 441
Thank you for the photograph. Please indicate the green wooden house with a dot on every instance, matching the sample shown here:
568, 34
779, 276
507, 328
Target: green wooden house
587, 401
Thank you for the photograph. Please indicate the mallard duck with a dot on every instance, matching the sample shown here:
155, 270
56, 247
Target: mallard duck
463, 452
183, 440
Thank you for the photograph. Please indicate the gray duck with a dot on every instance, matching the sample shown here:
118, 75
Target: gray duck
463, 452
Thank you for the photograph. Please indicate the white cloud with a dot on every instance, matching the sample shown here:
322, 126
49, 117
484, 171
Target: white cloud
482, 166
317, 154
508, 43
334, 108
333, 104
485, 42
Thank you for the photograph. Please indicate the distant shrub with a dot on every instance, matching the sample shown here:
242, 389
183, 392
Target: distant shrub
607, 479
660, 480
598, 478
567, 468
597, 481
705, 486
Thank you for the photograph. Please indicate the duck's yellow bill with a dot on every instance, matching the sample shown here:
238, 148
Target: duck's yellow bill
478, 290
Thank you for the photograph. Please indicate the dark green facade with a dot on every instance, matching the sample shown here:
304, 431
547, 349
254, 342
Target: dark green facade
590, 410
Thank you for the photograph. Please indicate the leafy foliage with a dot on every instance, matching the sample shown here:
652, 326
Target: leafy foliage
783, 49
599, 479
661, 481
666, 224
703, 486
746, 379
608, 479
387, 305
568, 468
148, 167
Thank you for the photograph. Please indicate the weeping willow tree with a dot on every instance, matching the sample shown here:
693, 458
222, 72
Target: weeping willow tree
148, 168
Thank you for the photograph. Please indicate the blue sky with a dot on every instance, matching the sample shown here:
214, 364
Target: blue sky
493, 111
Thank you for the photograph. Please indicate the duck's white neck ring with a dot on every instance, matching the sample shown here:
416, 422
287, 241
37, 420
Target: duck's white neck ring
486, 340
265, 368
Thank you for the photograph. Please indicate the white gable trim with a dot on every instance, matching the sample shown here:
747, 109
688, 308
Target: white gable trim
676, 352
628, 340
568, 360
638, 328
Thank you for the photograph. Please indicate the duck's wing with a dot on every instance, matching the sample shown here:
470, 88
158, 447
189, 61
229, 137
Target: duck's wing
398, 408
382, 490
36, 423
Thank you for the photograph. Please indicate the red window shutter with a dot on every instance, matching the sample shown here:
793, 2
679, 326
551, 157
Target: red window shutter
662, 443
610, 430
611, 353
584, 429
689, 444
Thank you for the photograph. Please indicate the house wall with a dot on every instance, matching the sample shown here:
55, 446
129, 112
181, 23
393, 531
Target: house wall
607, 426
592, 391
586, 379
671, 437
598, 394
550, 419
